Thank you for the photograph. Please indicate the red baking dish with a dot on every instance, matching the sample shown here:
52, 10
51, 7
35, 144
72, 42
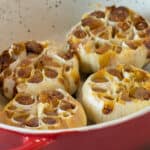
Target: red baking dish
128, 133
40, 20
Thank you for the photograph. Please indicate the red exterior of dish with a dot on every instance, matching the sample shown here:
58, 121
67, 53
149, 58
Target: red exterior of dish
131, 135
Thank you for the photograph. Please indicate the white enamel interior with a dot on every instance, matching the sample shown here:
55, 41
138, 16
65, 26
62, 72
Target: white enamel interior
52, 19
